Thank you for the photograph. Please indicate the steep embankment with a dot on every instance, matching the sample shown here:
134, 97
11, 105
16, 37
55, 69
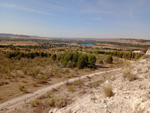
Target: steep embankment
131, 88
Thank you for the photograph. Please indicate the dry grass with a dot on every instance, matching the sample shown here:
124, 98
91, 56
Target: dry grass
23, 88
35, 103
108, 91
71, 88
95, 84
128, 75
59, 102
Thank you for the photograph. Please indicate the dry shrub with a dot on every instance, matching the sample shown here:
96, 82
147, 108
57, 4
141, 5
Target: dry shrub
62, 102
130, 76
59, 102
78, 83
23, 88
48, 94
108, 91
35, 103
71, 88
95, 84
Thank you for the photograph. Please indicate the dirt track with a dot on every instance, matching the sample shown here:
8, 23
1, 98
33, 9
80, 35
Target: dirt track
14, 103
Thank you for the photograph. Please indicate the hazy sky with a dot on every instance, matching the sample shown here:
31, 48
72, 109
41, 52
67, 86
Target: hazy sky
76, 18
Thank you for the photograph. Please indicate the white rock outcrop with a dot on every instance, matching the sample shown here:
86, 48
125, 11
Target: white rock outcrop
129, 97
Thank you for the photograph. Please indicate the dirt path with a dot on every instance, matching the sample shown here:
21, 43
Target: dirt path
14, 103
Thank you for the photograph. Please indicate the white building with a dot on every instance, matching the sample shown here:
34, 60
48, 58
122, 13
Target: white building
138, 51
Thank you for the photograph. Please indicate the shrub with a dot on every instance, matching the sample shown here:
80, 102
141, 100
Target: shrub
100, 62
58, 102
91, 59
35, 103
23, 88
109, 59
48, 95
82, 61
107, 91
95, 84
75, 57
52, 102
62, 102
70, 64
130, 76
54, 56
42, 78
71, 88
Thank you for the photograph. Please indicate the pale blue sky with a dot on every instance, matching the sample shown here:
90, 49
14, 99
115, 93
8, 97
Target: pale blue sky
76, 18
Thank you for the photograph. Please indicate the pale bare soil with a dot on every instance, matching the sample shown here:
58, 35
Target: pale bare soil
129, 96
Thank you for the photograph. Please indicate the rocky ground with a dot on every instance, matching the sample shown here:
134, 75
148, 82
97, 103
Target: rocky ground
129, 95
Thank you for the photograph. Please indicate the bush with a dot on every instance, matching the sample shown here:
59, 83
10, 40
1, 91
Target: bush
23, 88
71, 88
58, 102
108, 92
100, 62
62, 102
52, 102
91, 59
82, 61
54, 56
109, 59
127, 74
35, 103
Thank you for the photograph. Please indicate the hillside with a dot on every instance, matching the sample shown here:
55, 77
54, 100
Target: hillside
130, 92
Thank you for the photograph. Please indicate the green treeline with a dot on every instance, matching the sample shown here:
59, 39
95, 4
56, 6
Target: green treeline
77, 60
121, 54
70, 59
32, 55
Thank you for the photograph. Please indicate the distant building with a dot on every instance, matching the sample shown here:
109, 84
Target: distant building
138, 51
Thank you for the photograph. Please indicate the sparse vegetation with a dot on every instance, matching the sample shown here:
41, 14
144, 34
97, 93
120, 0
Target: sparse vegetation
71, 88
108, 91
100, 62
35, 103
96, 83
130, 76
109, 59
30, 67
58, 102
23, 88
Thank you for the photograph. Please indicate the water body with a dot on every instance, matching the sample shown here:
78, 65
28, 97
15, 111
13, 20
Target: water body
88, 44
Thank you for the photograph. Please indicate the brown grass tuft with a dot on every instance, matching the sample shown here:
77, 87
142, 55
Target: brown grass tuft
108, 91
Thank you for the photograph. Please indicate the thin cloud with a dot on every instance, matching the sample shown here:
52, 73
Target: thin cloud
130, 12
25, 9
96, 11
98, 18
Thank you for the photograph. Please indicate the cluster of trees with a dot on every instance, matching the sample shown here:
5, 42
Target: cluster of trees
70, 59
121, 54
32, 55
124, 44
77, 60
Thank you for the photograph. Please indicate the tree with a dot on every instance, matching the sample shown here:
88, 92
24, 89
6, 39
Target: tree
82, 61
54, 56
91, 59
100, 62
75, 57
109, 59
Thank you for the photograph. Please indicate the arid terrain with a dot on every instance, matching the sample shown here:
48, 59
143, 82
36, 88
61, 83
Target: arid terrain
41, 75
129, 95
